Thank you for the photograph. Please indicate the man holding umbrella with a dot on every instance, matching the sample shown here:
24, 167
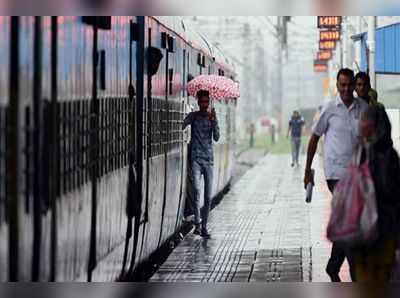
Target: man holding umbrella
204, 128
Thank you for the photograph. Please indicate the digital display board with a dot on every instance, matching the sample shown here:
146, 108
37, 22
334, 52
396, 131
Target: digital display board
324, 55
329, 21
320, 68
329, 35
327, 45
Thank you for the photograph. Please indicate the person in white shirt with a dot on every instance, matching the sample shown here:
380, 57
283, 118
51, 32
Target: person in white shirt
339, 122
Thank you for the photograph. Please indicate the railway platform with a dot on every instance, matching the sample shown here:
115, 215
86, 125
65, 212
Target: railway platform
262, 231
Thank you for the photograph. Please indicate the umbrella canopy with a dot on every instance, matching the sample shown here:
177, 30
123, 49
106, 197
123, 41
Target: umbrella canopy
265, 121
219, 87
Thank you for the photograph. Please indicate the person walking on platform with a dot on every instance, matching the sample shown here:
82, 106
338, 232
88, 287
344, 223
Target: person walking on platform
273, 132
374, 262
252, 130
339, 123
364, 90
296, 124
204, 128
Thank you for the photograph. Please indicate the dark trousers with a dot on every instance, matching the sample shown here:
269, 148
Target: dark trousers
338, 253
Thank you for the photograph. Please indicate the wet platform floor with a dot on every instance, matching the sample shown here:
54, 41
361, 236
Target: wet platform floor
262, 231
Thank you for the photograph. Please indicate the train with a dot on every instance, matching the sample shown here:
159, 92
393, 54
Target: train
94, 164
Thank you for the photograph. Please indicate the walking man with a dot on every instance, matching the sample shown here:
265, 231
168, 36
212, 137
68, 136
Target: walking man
296, 124
204, 128
252, 130
339, 123
364, 90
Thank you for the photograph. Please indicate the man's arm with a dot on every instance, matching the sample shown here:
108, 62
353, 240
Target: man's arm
320, 128
215, 130
289, 127
188, 120
312, 148
214, 125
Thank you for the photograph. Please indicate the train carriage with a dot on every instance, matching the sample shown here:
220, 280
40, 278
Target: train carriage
93, 160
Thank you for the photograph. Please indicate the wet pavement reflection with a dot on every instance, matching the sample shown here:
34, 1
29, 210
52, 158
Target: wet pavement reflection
262, 231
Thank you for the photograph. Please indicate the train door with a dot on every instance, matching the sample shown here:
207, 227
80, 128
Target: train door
133, 199
155, 98
20, 149
21, 119
72, 141
45, 211
115, 146
194, 69
27, 196
42, 211
164, 126
139, 167
175, 114
28, 137
5, 36
184, 139
188, 195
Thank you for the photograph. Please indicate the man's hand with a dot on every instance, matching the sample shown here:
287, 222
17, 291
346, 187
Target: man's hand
212, 115
308, 177
312, 148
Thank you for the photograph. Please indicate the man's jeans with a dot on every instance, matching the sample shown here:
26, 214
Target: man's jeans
205, 169
296, 141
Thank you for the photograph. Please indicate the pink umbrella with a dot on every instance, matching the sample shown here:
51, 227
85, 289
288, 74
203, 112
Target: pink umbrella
265, 121
219, 87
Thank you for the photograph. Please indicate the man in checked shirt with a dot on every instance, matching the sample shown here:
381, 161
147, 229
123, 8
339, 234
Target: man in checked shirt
204, 128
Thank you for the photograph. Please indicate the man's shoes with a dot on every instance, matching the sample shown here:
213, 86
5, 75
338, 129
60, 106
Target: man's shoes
205, 233
197, 230
188, 219
333, 276
292, 164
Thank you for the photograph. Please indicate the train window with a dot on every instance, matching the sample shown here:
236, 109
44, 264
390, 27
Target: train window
115, 135
171, 44
154, 57
171, 74
75, 140
134, 31
199, 59
174, 123
203, 61
164, 40
103, 70
159, 123
102, 22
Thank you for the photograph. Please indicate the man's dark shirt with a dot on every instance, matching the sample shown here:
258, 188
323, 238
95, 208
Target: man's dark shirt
296, 123
203, 131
